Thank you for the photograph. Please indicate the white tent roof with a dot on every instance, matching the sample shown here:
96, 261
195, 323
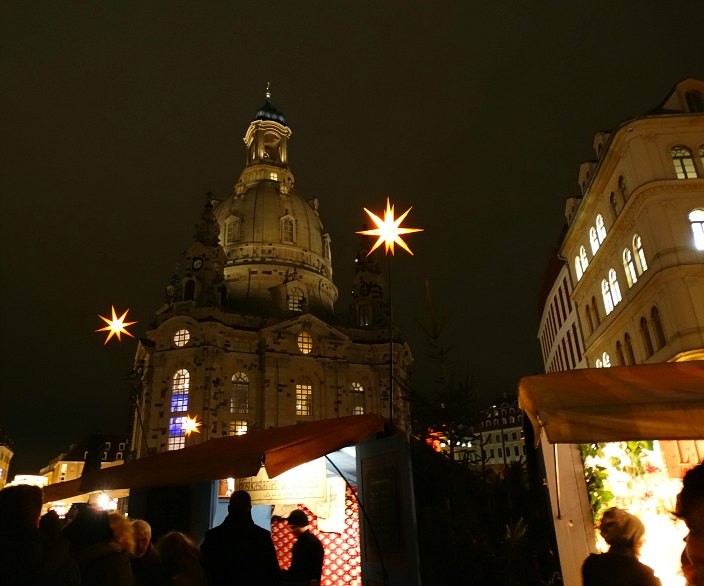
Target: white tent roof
643, 402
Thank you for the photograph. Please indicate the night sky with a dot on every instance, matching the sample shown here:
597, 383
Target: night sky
117, 118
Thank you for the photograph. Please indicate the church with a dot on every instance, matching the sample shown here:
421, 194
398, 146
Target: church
248, 337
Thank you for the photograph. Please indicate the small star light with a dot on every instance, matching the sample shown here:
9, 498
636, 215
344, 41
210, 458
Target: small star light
116, 326
389, 229
191, 425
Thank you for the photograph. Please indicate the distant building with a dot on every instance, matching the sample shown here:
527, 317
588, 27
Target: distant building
6, 454
629, 287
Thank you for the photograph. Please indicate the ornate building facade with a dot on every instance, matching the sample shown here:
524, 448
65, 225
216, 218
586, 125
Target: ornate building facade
248, 337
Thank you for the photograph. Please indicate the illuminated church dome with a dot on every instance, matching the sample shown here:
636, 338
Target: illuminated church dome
276, 247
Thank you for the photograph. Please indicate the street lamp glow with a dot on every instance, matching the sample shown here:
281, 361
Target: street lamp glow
389, 229
116, 326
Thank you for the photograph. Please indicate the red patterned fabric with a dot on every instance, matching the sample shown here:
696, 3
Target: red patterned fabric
342, 565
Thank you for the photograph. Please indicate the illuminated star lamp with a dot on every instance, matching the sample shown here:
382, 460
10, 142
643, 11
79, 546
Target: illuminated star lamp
389, 229
116, 326
191, 425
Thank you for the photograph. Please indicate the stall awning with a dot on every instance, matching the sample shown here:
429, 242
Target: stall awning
643, 402
280, 449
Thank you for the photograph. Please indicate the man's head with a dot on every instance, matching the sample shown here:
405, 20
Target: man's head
240, 503
690, 507
20, 506
142, 537
298, 522
622, 530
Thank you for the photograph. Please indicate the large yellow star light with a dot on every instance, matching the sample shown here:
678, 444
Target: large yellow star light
191, 425
389, 229
116, 326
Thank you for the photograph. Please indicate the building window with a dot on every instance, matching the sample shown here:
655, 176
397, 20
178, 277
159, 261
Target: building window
629, 267
239, 400
578, 268
600, 228
614, 204
595, 313
181, 337
364, 314
232, 230
304, 399
274, 176
694, 100
288, 232
583, 258
588, 313
657, 325
606, 360
613, 285
305, 342
177, 434
357, 399
593, 240
179, 390
696, 221
683, 161
606, 296
645, 333
295, 299
630, 356
619, 354
639, 253
237, 427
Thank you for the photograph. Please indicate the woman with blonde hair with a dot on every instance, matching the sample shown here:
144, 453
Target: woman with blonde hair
123, 531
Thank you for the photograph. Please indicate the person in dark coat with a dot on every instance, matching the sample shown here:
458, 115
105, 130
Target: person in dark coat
690, 508
307, 554
102, 560
238, 551
619, 566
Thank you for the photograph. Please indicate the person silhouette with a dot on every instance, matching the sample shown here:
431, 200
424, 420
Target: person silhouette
307, 553
690, 508
238, 551
619, 566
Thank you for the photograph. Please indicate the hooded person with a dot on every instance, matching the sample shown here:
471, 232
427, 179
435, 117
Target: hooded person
238, 551
624, 533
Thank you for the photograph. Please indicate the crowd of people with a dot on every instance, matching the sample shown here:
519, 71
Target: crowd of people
96, 548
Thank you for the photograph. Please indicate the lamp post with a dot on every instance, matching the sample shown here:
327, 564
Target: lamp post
389, 231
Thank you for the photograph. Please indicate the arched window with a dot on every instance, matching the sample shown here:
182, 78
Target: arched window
629, 267
630, 356
696, 221
364, 315
288, 230
357, 399
606, 360
595, 313
645, 333
657, 325
639, 253
683, 162
189, 290
606, 296
600, 228
588, 313
578, 268
622, 186
598, 363
619, 354
694, 100
295, 299
232, 230
593, 240
614, 204
613, 285
583, 258
177, 433
180, 383
239, 400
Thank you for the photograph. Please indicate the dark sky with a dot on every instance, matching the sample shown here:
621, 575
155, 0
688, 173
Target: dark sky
117, 118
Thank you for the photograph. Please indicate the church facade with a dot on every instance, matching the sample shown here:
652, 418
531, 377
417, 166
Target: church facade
248, 336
